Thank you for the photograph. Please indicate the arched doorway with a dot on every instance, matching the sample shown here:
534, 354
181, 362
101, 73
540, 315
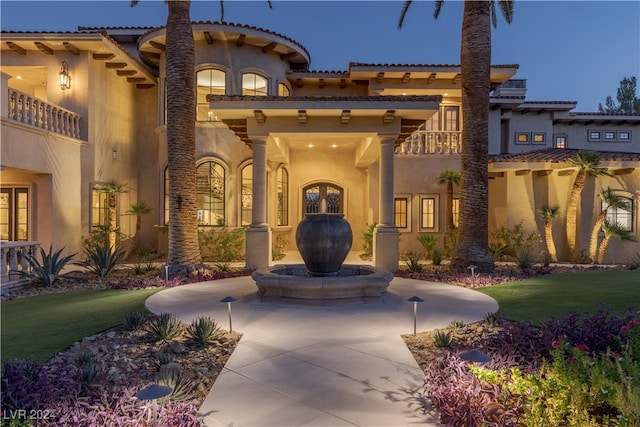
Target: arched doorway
313, 194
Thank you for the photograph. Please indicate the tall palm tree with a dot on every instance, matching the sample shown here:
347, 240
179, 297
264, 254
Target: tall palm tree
587, 163
611, 200
112, 189
449, 177
475, 66
612, 231
548, 213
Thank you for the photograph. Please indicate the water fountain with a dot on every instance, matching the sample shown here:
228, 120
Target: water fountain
324, 240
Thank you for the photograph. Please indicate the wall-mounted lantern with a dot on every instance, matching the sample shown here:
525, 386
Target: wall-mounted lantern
65, 77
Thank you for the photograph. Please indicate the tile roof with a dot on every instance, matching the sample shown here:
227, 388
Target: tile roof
363, 64
558, 155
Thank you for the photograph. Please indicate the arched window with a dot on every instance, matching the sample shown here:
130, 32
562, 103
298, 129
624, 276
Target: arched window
209, 82
283, 90
282, 184
246, 198
312, 196
211, 191
254, 84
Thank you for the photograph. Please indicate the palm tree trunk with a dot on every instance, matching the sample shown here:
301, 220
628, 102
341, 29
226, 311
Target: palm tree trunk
551, 246
184, 251
113, 222
603, 249
572, 213
475, 59
449, 207
593, 243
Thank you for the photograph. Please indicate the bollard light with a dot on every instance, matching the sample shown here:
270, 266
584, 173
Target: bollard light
229, 300
473, 273
166, 274
154, 392
415, 300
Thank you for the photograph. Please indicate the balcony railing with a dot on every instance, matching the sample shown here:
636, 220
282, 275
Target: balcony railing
13, 260
431, 142
32, 111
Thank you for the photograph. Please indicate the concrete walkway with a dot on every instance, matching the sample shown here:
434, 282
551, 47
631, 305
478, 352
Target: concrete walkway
321, 366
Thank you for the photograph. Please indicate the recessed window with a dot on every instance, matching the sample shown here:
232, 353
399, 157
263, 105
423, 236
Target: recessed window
283, 90
428, 209
211, 188
209, 82
560, 141
539, 138
14, 214
283, 196
522, 138
246, 196
402, 211
624, 135
254, 85
620, 216
595, 135
99, 207
609, 135
456, 212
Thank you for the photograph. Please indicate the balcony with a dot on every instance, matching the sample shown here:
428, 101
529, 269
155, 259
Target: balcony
32, 111
431, 142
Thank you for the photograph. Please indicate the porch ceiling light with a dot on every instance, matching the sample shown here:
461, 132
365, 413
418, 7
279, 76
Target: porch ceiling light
65, 78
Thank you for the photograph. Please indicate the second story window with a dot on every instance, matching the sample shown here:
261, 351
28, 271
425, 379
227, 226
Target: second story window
283, 90
254, 85
209, 82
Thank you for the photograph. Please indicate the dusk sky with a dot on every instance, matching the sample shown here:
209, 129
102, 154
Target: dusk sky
567, 50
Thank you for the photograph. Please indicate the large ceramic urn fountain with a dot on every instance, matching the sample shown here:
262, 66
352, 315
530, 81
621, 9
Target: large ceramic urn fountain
324, 241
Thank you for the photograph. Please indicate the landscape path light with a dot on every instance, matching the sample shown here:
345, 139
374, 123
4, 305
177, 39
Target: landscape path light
154, 392
473, 273
475, 356
229, 300
415, 300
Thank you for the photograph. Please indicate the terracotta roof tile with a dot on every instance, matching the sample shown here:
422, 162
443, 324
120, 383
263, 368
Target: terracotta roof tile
423, 98
362, 64
558, 155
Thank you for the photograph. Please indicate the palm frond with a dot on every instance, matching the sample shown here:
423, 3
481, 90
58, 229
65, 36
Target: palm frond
438, 7
403, 14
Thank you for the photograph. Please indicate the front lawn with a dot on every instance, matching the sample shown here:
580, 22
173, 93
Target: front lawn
554, 295
36, 328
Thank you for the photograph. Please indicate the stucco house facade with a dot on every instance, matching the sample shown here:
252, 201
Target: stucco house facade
274, 138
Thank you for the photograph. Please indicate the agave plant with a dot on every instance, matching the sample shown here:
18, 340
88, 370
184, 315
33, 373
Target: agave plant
101, 259
50, 270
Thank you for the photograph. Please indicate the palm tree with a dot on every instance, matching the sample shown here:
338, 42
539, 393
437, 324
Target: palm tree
184, 251
112, 189
449, 177
612, 231
611, 200
472, 247
548, 213
587, 163
138, 209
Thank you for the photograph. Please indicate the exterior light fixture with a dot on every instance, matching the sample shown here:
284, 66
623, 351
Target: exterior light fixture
473, 273
65, 77
153, 393
415, 300
229, 300
114, 154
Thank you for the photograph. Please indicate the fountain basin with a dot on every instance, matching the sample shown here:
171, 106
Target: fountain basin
354, 284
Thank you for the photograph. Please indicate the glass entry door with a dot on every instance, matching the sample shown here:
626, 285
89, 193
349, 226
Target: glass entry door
314, 194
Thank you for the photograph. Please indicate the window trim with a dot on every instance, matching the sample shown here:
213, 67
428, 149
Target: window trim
539, 138
207, 67
259, 73
408, 214
523, 138
560, 140
436, 213
615, 213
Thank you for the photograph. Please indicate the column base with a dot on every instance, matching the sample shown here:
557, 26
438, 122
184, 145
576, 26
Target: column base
258, 248
386, 247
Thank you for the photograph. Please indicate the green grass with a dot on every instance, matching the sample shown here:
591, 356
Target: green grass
36, 328
540, 298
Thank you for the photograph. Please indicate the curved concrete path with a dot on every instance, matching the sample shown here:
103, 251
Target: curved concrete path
321, 366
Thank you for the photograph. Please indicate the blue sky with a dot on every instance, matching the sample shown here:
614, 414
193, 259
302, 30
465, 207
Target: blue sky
567, 50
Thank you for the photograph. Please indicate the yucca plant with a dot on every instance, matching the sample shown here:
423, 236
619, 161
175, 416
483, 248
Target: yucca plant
456, 324
165, 327
412, 261
49, 270
204, 330
101, 259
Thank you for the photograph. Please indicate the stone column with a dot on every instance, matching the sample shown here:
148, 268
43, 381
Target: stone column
258, 240
386, 249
